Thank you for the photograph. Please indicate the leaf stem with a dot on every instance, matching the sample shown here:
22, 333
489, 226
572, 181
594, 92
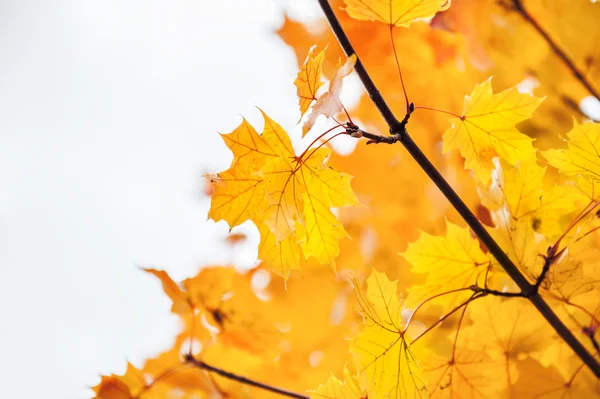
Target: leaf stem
189, 359
487, 291
398, 68
577, 73
429, 299
399, 128
444, 317
438, 110
301, 156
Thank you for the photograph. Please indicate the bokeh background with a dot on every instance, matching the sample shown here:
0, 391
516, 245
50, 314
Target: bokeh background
109, 113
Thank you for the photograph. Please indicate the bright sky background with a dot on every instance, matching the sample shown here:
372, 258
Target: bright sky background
109, 113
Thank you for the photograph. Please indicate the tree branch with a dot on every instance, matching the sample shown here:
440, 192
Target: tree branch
399, 128
189, 359
560, 53
487, 291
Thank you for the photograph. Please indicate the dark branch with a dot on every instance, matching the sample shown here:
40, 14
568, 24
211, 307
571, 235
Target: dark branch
487, 291
397, 127
591, 332
189, 359
549, 259
517, 5
357, 132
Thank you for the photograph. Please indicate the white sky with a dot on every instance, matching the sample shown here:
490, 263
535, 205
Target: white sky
109, 112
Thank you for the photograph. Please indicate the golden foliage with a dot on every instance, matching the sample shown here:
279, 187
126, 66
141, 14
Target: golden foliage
465, 328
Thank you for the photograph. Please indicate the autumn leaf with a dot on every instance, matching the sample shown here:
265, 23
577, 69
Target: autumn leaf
444, 340
521, 191
520, 242
328, 103
180, 299
217, 295
309, 81
239, 193
301, 192
582, 158
235, 238
383, 356
270, 185
486, 129
336, 389
282, 257
462, 376
503, 42
128, 386
395, 12
451, 263
507, 331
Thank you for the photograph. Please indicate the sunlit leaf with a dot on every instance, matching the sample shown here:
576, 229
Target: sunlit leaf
451, 262
387, 366
395, 12
309, 80
486, 129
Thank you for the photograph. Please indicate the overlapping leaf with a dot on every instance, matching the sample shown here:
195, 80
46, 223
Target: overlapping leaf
239, 194
486, 129
328, 103
301, 193
582, 158
219, 295
270, 185
395, 12
521, 191
130, 385
334, 388
282, 257
382, 355
309, 80
451, 262
461, 376
507, 330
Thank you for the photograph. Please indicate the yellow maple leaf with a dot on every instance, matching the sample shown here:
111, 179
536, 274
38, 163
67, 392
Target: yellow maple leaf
217, 295
582, 158
507, 330
337, 389
520, 189
239, 193
128, 386
520, 242
309, 80
328, 103
281, 257
506, 327
382, 355
395, 12
181, 301
461, 376
301, 191
486, 129
451, 262
270, 185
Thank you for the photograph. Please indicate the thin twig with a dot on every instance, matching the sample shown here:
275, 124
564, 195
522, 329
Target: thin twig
399, 69
577, 73
397, 127
444, 317
488, 291
189, 359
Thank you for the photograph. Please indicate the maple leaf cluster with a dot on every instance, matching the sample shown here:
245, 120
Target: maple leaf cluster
418, 304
